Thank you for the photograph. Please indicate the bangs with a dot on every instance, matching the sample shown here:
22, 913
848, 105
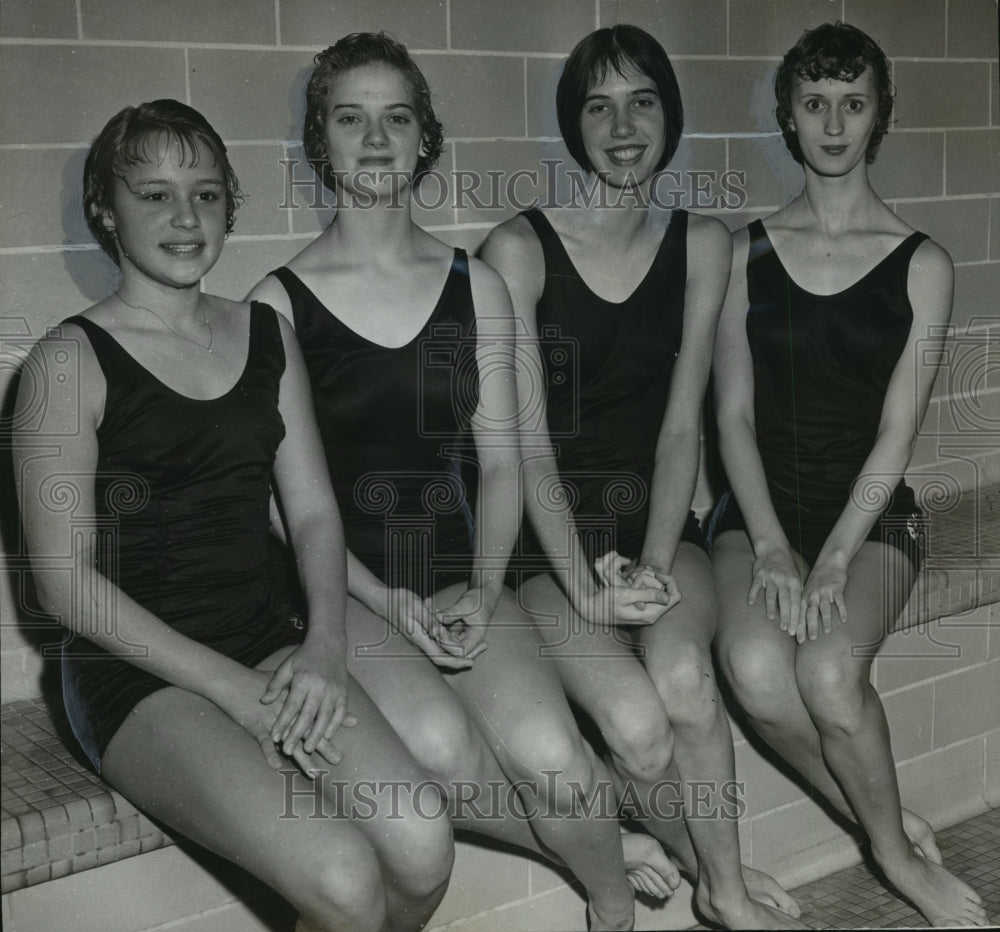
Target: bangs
833, 66
618, 61
151, 146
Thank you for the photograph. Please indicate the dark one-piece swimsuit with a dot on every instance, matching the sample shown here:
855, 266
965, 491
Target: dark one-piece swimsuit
181, 489
821, 365
607, 371
395, 425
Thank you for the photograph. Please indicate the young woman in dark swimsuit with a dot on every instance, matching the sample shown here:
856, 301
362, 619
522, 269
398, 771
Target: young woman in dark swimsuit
188, 685
634, 291
820, 393
409, 346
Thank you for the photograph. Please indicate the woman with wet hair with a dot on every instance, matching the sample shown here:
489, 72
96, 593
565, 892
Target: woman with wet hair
410, 351
187, 683
632, 292
819, 394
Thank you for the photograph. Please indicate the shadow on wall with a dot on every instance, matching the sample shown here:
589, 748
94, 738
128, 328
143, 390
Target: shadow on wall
92, 271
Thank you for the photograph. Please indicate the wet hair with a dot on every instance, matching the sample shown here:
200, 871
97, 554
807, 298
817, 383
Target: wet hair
133, 135
354, 51
622, 49
841, 52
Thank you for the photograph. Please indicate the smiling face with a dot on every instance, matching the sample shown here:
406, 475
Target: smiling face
622, 128
168, 214
373, 135
833, 122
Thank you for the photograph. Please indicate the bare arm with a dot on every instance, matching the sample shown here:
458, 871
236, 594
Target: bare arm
494, 428
709, 251
316, 673
776, 570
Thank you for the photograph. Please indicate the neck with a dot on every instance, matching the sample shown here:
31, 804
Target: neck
365, 234
837, 204
174, 303
617, 212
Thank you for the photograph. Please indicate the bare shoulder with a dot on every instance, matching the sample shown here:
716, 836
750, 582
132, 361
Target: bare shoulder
513, 239
930, 258
61, 381
930, 283
709, 239
270, 291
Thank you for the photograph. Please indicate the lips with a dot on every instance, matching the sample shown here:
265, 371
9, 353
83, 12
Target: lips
183, 249
834, 150
375, 161
625, 155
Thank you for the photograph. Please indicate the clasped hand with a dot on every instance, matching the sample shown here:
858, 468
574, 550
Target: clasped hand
632, 593
803, 608
451, 637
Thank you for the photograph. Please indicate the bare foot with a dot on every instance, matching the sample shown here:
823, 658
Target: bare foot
596, 922
647, 866
765, 889
940, 896
744, 913
921, 836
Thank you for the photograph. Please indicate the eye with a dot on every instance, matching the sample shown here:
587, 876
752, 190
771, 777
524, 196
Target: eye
208, 196
399, 119
814, 105
348, 119
855, 106
154, 196
597, 108
644, 103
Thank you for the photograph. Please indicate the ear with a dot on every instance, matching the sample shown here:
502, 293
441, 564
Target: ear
107, 222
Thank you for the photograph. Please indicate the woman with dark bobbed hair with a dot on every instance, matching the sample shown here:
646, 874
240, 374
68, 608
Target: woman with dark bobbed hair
820, 392
189, 685
633, 291
409, 347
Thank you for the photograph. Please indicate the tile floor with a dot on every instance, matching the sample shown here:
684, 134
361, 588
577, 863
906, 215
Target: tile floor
856, 898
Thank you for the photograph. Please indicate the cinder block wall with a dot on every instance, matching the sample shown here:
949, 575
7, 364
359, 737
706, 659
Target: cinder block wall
68, 65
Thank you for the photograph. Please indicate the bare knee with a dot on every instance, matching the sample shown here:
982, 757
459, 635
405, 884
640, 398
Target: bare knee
639, 736
446, 744
761, 676
421, 851
686, 681
344, 893
833, 689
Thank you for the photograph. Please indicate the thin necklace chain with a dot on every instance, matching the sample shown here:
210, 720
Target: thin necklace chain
180, 336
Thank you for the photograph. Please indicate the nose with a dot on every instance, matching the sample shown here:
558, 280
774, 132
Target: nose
834, 122
375, 134
622, 125
186, 215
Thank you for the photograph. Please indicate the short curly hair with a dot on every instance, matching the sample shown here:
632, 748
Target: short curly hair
131, 136
354, 51
841, 52
619, 48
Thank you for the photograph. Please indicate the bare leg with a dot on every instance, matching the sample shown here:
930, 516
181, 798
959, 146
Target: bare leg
844, 724
181, 759
515, 698
430, 720
506, 719
677, 656
751, 654
602, 674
